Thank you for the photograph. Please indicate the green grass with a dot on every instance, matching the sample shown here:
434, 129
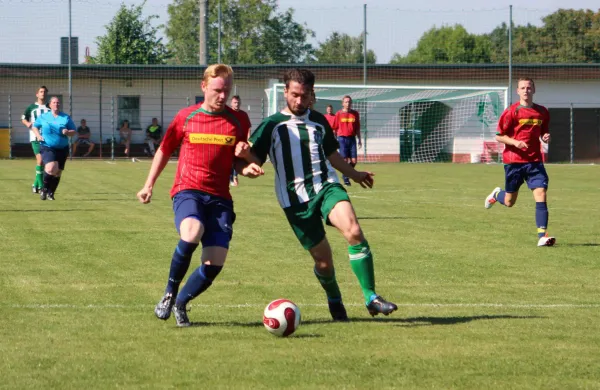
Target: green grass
480, 305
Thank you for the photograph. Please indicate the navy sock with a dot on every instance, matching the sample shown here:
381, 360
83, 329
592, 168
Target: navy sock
541, 218
182, 256
48, 180
197, 283
500, 196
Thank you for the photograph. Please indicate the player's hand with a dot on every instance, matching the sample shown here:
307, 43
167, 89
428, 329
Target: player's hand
521, 145
365, 179
252, 171
546, 138
242, 150
359, 144
39, 138
145, 195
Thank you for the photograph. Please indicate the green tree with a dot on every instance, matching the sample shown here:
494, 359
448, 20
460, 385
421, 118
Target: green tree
341, 48
130, 39
252, 32
447, 45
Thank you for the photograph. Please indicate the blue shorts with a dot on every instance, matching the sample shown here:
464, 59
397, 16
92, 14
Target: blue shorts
54, 154
533, 173
347, 146
215, 213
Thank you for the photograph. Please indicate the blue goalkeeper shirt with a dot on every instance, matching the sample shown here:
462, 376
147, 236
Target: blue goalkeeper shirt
51, 129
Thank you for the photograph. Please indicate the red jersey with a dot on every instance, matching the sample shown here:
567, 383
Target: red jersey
525, 124
208, 143
348, 123
331, 118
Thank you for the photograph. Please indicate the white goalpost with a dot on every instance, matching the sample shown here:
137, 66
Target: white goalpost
417, 123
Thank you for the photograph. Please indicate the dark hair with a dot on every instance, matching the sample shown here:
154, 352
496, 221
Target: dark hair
237, 97
301, 76
347, 96
44, 87
329, 106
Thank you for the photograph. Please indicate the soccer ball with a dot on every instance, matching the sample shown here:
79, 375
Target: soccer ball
281, 317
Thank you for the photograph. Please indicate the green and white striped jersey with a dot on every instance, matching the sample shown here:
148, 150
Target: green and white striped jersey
298, 147
32, 112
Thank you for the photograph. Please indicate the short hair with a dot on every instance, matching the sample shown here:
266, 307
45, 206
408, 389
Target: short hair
526, 79
236, 97
330, 106
347, 96
217, 70
301, 76
44, 88
83, 120
54, 97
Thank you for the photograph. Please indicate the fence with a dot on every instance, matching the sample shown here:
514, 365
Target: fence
403, 47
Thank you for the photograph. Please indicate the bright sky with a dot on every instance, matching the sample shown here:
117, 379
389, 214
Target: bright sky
392, 26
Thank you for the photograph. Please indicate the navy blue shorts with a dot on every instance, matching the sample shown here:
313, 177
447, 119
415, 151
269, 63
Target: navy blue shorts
533, 173
215, 213
347, 146
54, 154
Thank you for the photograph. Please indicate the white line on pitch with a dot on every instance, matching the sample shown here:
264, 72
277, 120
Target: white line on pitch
242, 305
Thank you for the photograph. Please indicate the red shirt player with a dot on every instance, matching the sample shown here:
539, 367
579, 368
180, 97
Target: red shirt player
210, 135
520, 128
331, 118
348, 129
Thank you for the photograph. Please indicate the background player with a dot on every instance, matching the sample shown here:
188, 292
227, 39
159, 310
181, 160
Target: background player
520, 128
348, 130
236, 103
32, 112
207, 133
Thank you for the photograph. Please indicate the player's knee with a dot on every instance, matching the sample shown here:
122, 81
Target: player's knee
191, 230
353, 233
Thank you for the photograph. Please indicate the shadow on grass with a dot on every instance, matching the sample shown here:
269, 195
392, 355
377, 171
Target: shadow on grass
579, 244
133, 199
46, 211
406, 322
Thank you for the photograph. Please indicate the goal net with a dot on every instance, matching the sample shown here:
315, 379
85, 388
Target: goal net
417, 124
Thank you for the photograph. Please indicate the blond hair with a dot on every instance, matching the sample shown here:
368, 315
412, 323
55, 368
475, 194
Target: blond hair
217, 70
526, 79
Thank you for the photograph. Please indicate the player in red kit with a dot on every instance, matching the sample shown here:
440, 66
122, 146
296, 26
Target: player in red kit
520, 128
330, 116
348, 130
236, 103
208, 135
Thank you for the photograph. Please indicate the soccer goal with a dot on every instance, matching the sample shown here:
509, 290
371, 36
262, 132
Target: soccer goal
417, 123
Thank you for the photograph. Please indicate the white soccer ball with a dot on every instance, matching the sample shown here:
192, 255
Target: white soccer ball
281, 317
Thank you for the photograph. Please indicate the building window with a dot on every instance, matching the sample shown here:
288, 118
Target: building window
129, 108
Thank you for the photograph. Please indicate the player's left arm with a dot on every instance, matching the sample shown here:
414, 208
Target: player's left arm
70, 128
358, 135
546, 127
364, 178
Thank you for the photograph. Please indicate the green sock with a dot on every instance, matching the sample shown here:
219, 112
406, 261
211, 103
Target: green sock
39, 176
330, 285
361, 261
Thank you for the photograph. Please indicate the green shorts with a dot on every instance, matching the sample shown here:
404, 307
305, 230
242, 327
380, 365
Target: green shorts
305, 219
35, 145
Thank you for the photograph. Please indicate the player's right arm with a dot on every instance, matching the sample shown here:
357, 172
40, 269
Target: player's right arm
26, 117
506, 126
173, 138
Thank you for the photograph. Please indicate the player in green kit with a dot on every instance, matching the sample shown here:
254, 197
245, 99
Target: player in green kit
303, 150
32, 112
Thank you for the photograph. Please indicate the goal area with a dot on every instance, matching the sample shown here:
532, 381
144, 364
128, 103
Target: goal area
417, 123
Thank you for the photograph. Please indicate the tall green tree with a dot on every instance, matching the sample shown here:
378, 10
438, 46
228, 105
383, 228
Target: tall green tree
252, 32
341, 48
447, 45
130, 39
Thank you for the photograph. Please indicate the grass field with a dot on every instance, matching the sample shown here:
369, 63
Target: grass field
480, 306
